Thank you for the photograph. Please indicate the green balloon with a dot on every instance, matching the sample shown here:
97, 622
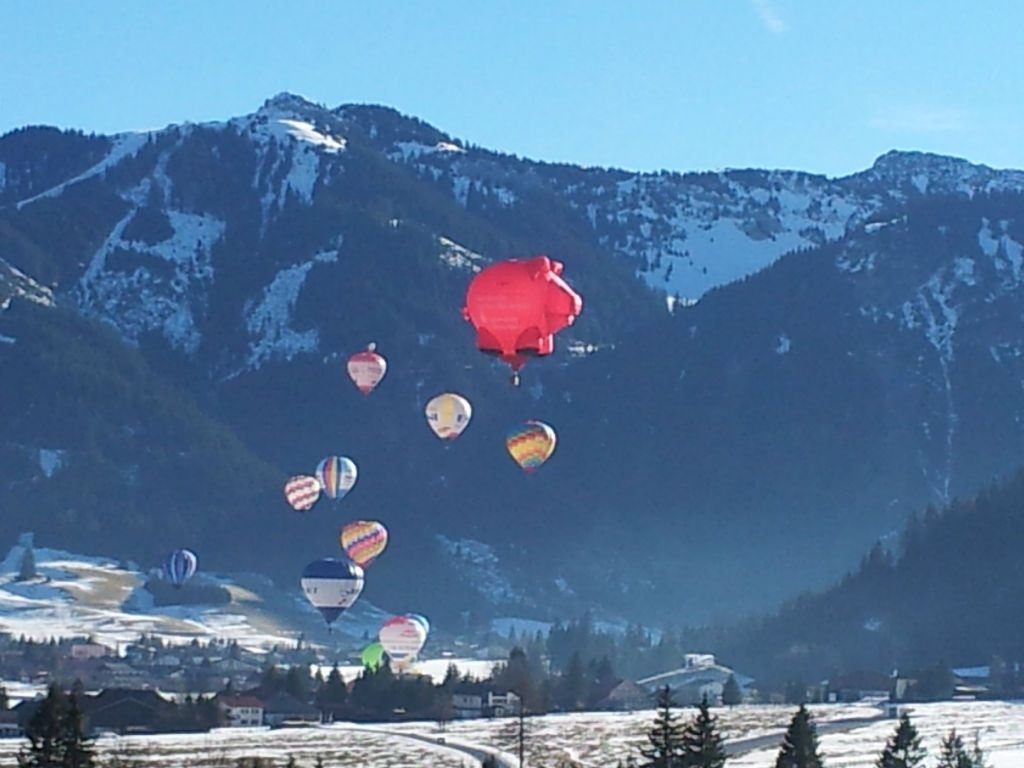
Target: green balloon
372, 655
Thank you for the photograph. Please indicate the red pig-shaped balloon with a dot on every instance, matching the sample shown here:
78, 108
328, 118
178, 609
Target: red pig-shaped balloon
517, 306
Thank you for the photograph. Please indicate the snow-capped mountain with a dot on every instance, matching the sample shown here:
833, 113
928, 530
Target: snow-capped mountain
771, 368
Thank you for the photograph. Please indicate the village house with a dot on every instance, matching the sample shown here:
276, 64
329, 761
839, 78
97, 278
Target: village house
476, 700
240, 711
502, 704
118, 674
81, 651
283, 709
468, 705
855, 686
699, 676
125, 710
9, 726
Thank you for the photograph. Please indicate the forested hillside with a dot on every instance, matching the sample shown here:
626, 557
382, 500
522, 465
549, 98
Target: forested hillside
946, 591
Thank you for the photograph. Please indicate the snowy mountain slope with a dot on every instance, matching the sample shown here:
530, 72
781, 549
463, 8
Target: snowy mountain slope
683, 233
689, 233
827, 390
84, 596
15, 283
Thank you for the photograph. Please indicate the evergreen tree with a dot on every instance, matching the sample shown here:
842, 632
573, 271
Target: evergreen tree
451, 677
731, 693
903, 750
332, 696
516, 676
27, 571
952, 753
78, 747
977, 754
573, 686
43, 732
56, 734
666, 736
800, 744
296, 682
702, 743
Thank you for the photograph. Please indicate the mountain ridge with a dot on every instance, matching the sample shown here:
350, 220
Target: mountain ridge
739, 366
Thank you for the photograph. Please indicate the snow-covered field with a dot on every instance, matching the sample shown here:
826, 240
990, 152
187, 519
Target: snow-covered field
592, 739
78, 595
335, 746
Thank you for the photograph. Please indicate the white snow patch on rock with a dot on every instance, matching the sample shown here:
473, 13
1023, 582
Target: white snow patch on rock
270, 319
124, 144
459, 256
23, 286
145, 299
51, 459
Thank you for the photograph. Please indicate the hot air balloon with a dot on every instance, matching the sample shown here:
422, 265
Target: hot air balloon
448, 414
179, 567
531, 444
302, 492
516, 307
366, 369
421, 619
402, 637
337, 475
363, 540
372, 656
332, 585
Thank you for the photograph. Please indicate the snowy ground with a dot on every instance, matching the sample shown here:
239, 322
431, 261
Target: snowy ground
77, 595
594, 740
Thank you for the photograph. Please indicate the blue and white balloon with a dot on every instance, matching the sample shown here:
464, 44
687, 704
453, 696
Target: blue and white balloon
180, 566
331, 585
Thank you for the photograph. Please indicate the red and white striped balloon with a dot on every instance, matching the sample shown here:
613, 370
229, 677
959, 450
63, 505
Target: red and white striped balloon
302, 492
366, 369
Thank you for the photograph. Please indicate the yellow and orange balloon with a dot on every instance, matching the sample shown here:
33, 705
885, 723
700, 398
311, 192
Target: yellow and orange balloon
531, 444
363, 540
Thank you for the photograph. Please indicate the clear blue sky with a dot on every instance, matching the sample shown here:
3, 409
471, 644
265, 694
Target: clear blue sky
818, 85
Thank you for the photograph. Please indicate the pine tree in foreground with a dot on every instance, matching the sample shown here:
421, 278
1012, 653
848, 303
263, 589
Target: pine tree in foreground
702, 743
800, 744
665, 736
56, 734
952, 753
977, 754
43, 732
78, 747
903, 749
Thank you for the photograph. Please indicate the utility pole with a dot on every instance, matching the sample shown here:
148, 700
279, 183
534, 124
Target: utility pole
522, 730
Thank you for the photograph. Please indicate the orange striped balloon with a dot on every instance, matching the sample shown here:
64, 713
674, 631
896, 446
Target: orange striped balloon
363, 540
531, 444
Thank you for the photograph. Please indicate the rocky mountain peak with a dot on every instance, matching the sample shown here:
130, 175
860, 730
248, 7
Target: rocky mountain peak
921, 173
293, 103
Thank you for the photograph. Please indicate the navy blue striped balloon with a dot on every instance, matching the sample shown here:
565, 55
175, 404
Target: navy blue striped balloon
180, 566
